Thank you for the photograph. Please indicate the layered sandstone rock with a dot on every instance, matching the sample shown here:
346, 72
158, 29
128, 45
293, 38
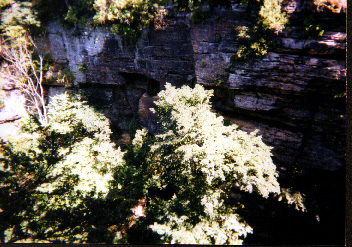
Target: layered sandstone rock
293, 94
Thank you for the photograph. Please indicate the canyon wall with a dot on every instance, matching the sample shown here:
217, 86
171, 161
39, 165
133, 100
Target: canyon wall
292, 95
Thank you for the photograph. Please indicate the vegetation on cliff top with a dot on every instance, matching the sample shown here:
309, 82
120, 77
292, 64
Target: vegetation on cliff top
127, 18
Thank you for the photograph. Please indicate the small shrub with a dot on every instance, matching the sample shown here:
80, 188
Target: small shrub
271, 17
203, 64
199, 15
253, 42
159, 21
47, 61
79, 12
243, 32
242, 53
65, 77
127, 17
312, 28
82, 67
17, 19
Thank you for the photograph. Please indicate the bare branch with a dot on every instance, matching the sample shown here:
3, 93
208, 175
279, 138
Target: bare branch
24, 74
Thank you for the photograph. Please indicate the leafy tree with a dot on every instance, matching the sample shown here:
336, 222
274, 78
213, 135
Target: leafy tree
194, 166
256, 40
127, 17
54, 176
17, 18
49, 10
271, 17
79, 12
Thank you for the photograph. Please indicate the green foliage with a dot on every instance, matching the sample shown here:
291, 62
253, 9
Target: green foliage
70, 184
253, 42
5, 3
79, 12
54, 176
82, 67
129, 186
271, 17
17, 18
49, 10
199, 15
128, 17
193, 4
65, 77
312, 27
47, 61
70, 13
193, 165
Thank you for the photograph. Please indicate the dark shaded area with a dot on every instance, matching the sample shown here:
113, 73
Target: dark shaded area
140, 233
275, 223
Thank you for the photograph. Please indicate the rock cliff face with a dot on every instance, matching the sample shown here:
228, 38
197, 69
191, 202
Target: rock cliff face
291, 94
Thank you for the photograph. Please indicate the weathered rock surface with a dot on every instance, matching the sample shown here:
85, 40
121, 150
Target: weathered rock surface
292, 94
163, 55
13, 108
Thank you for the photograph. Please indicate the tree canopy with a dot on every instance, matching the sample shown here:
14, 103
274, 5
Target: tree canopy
51, 171
66, 182
199, 161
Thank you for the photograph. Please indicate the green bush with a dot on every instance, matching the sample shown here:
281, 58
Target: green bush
82, 67
199, 15
312, 27
193, 166
53, 177
17, 19
271, 17
79, 12
128, 17
49, 10
253, 42
65, 77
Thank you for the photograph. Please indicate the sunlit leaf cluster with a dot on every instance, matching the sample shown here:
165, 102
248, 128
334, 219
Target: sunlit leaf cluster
198, 161
128, 17
55, 169
16, 18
